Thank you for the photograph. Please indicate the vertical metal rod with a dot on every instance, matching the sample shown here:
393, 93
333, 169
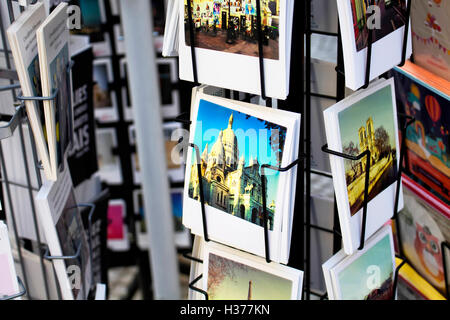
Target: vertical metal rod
369, 52
33, 209
35, 156
396, 275
406, 33
201, 191
10, 11
192, 42
307, 115
13, 217
296, 103
144, 88
444, 246
260, 49
337, 240
5, 45
366, 200
265, 219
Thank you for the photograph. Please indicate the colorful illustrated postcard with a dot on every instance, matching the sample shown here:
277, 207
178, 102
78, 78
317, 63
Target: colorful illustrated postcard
427, 139
234, 142
234, 275
364, 121
430, 25
424, 224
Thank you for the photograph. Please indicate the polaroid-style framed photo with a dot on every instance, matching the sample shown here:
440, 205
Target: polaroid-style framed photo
170, 99
230, 274
367, 274
105, 101
387, 38
234, 55
231, 166
364, 121
117, 231
425, 224
110, 170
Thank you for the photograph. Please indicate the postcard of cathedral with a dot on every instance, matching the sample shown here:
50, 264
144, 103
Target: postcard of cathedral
366, 121
231, 274
234, 140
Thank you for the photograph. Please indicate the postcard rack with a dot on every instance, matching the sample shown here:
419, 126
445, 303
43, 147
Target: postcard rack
7, 131
16, 122
297, 101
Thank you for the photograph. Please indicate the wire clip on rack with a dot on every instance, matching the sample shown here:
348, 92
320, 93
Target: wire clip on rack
21, 293
264, 200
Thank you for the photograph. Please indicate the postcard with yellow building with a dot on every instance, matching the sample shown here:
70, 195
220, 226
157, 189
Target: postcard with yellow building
365, 121
234, 141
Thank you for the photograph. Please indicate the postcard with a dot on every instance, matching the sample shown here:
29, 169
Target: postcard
364, 121
105, 103
424, 224
226, 44
387, 26
425, 97
431, 36
411, 286
230, 274
234, 140
26, 60
110, 170
368, 274
65, 234
52, 44
117, 232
